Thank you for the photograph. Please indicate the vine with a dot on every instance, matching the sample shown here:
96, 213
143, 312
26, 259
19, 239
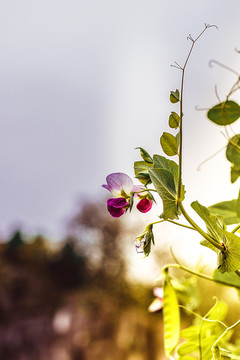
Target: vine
203, 339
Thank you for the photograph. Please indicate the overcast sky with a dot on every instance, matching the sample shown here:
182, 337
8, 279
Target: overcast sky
82, 83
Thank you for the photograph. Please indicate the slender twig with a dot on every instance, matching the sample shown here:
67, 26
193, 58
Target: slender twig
203, 317
201, 275
210, 157
211, 62
176, 223
173, 222
236, 228
181, 106
215, 347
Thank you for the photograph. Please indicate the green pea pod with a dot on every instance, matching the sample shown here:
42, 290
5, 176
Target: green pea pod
171, 317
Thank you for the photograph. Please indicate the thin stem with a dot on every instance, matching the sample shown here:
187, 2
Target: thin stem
157, 222
210, 157
215, 345
201, 275
196, 227
144, 190
173, 222
179, 188
180, 138
234, 88
236, 228
202, 317
185, 226
211, 62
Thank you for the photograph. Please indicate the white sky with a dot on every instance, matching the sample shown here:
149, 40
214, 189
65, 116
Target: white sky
82, 83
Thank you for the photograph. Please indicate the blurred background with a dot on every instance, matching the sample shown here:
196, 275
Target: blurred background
82, 84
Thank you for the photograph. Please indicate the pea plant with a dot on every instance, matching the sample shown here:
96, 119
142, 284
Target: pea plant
208, 336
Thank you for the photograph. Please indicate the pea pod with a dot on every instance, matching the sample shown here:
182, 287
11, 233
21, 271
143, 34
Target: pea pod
171, 317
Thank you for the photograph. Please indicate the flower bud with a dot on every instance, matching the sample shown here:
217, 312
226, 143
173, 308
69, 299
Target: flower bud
144, 240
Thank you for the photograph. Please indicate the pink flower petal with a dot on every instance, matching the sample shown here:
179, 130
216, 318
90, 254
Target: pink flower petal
137, 188
156, 305
144, 205
158, 292
118, 182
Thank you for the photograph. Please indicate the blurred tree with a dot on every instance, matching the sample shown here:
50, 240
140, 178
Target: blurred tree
68, 267
99, 238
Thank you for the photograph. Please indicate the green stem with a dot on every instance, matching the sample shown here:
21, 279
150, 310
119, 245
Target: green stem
198, 229
173, 222
181, 116
202, 318
185, 226
180, 139
181, 107
201, 275
144, 190
215, 345
157, 222
236, 228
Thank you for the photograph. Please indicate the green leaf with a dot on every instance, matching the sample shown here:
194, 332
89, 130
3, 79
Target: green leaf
235, 174
225, 354
174, 120
218, 311
230, 278
171, 317
191, 333
228, 258
187, 357
187, 348
164, 176
207, 244
238, 205
174, 96
141, 172
211, 221
233, 155
169, 144
206, 345
229, 210
178, 139
224, 113
162, 162
164, 183
145, 155
187, 292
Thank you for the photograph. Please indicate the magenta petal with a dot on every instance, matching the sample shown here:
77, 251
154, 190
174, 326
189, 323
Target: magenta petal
117, 202
144, 205
117, 207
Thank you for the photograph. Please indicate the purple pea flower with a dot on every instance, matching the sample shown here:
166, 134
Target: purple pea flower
122, 187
